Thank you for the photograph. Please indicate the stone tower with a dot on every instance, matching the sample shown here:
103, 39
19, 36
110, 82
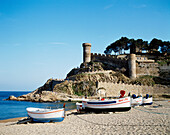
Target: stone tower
132, 66
86, 52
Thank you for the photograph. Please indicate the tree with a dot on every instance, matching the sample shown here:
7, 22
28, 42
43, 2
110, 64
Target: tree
137, 46
154, 45
118, 46
145, 46
132, 46
165, 47
123, 43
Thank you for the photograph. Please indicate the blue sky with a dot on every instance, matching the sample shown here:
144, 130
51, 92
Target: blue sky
41, 39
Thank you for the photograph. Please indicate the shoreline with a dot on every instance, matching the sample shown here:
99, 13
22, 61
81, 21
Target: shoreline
74, 110
20, 118
152, 119
12, 119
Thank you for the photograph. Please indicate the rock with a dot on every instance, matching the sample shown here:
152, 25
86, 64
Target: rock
12, 98
23, 96
20, 99
45, 99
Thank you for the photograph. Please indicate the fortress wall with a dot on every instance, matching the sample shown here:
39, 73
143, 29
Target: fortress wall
117, 62
143, 65
56, 81
165, 71
147, 69
97, 72
164, 67
113, 89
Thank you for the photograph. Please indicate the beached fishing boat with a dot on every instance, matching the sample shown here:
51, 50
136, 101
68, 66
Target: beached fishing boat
136, 100
46, 115
79, 107
148, 100
107, 105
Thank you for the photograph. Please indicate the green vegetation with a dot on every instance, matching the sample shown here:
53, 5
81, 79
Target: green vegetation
145, 80
84, 88
137, 46
164, 60
150, 80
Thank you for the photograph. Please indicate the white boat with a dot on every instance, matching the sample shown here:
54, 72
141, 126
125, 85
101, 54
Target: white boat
79, 107
147, 100
46, 115
107, 105
136, 100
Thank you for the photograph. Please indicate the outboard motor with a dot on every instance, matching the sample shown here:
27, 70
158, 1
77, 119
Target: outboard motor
147, 96
129, 94
122, 92
133, 96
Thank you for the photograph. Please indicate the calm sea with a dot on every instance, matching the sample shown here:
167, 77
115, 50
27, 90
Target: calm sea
14, 109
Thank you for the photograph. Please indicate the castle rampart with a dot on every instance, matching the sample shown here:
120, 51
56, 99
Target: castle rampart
97, 72
164, 67
112, 60
113, 89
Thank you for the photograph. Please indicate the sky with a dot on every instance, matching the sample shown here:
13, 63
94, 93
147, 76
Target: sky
42, 39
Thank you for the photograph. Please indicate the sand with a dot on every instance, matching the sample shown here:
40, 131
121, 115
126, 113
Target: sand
153, 120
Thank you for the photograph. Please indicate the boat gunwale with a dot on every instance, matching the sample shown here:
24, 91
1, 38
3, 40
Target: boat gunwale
106, 104
52, 111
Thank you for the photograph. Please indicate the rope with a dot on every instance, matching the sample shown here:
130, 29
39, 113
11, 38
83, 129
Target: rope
151, 112
95, 123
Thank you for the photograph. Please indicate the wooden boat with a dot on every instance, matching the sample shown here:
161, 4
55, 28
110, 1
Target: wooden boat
46, 115
148, 100
136, 100
79, 107
107, 105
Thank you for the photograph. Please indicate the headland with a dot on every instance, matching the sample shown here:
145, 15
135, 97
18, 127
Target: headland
139, 74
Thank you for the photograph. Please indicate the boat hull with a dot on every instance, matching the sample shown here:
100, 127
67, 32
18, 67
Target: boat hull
147, 101
79, 107
48, 119
136, 101
114, 105
123, 109
46, 115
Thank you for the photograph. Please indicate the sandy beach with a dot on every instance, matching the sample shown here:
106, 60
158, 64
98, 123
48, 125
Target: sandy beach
153, 120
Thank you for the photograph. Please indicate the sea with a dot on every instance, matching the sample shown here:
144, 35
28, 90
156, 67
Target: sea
14, 109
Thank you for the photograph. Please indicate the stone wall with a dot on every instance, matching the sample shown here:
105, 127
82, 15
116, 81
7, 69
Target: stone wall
97, 72
112, 60
165, 71
144, 66
56, 81
113, 89
164, 67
